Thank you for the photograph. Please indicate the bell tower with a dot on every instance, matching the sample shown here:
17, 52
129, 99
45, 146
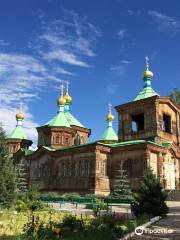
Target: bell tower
149, 116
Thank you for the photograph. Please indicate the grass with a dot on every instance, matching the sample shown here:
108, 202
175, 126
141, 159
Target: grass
12, 223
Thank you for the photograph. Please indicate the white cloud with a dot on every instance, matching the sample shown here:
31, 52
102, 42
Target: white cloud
119, 70
133, 13
69, 41
126, 62
121, 33
63, 71
165, 22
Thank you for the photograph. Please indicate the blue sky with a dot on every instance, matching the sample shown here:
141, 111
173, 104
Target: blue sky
99, 46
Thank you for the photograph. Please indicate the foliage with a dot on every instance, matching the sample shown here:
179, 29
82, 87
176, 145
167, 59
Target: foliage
8, 184
98, 206
21, 175
121, 187
175, 94
69, 196
29, 200
151, 199
52, 225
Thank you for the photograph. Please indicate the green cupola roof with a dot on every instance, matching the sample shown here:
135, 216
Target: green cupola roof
60, 119
72, 120
109, 134
147, 90
18, 132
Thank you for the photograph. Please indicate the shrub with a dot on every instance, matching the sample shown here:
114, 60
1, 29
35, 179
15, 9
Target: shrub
29, 200
151, 199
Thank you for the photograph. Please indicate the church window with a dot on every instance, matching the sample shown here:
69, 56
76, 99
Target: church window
127, 166
104, 168
57, 139
66, 140
14, 148
137, 123
78, 140
166, 125
86, 168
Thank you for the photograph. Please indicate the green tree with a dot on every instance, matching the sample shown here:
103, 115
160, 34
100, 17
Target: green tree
121, 186
21, 175
151, 198
175, 94
7, 174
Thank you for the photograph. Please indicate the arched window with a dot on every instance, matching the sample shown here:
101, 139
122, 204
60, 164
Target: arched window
127, 165
104, 167
78, 140
57, 139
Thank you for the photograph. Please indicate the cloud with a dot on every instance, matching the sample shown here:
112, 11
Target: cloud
3, 43
119, 70
126, 62
165, 22
69, 41
121, 33
133, 13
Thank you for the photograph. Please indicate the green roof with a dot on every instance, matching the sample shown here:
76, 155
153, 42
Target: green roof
18, 133
72, 120
145, 93
109, 134
27, 152
59, 120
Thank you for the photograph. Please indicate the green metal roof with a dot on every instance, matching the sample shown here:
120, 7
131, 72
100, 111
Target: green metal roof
27, 152
59, 120
18, 133
72, 120
145, 93
109, 134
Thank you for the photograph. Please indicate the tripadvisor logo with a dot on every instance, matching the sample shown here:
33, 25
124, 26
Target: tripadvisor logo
140, 230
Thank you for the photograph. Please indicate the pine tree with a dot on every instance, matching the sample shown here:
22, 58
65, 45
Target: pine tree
121, 187
7, 174
175, 94
151, 198
21, 175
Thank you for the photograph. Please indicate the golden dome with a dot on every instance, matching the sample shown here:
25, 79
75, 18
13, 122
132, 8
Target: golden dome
68, 98
148, 74
20, 116
110, 117
61, 101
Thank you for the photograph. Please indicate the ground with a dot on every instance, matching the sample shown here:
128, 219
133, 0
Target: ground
171, 222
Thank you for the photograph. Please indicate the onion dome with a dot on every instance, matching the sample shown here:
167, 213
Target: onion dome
20, 116
147, 73
67, 97
110, 116
61, 101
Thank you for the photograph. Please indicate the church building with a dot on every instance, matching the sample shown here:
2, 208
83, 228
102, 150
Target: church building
65, 161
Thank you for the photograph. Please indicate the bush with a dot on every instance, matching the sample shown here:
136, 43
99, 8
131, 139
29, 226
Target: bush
71, 223
29, 200
150, 199
69, 196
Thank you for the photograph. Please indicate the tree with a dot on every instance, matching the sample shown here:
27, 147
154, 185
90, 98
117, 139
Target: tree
175, 95
21, 175
151, 198
7, 174
121, 187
